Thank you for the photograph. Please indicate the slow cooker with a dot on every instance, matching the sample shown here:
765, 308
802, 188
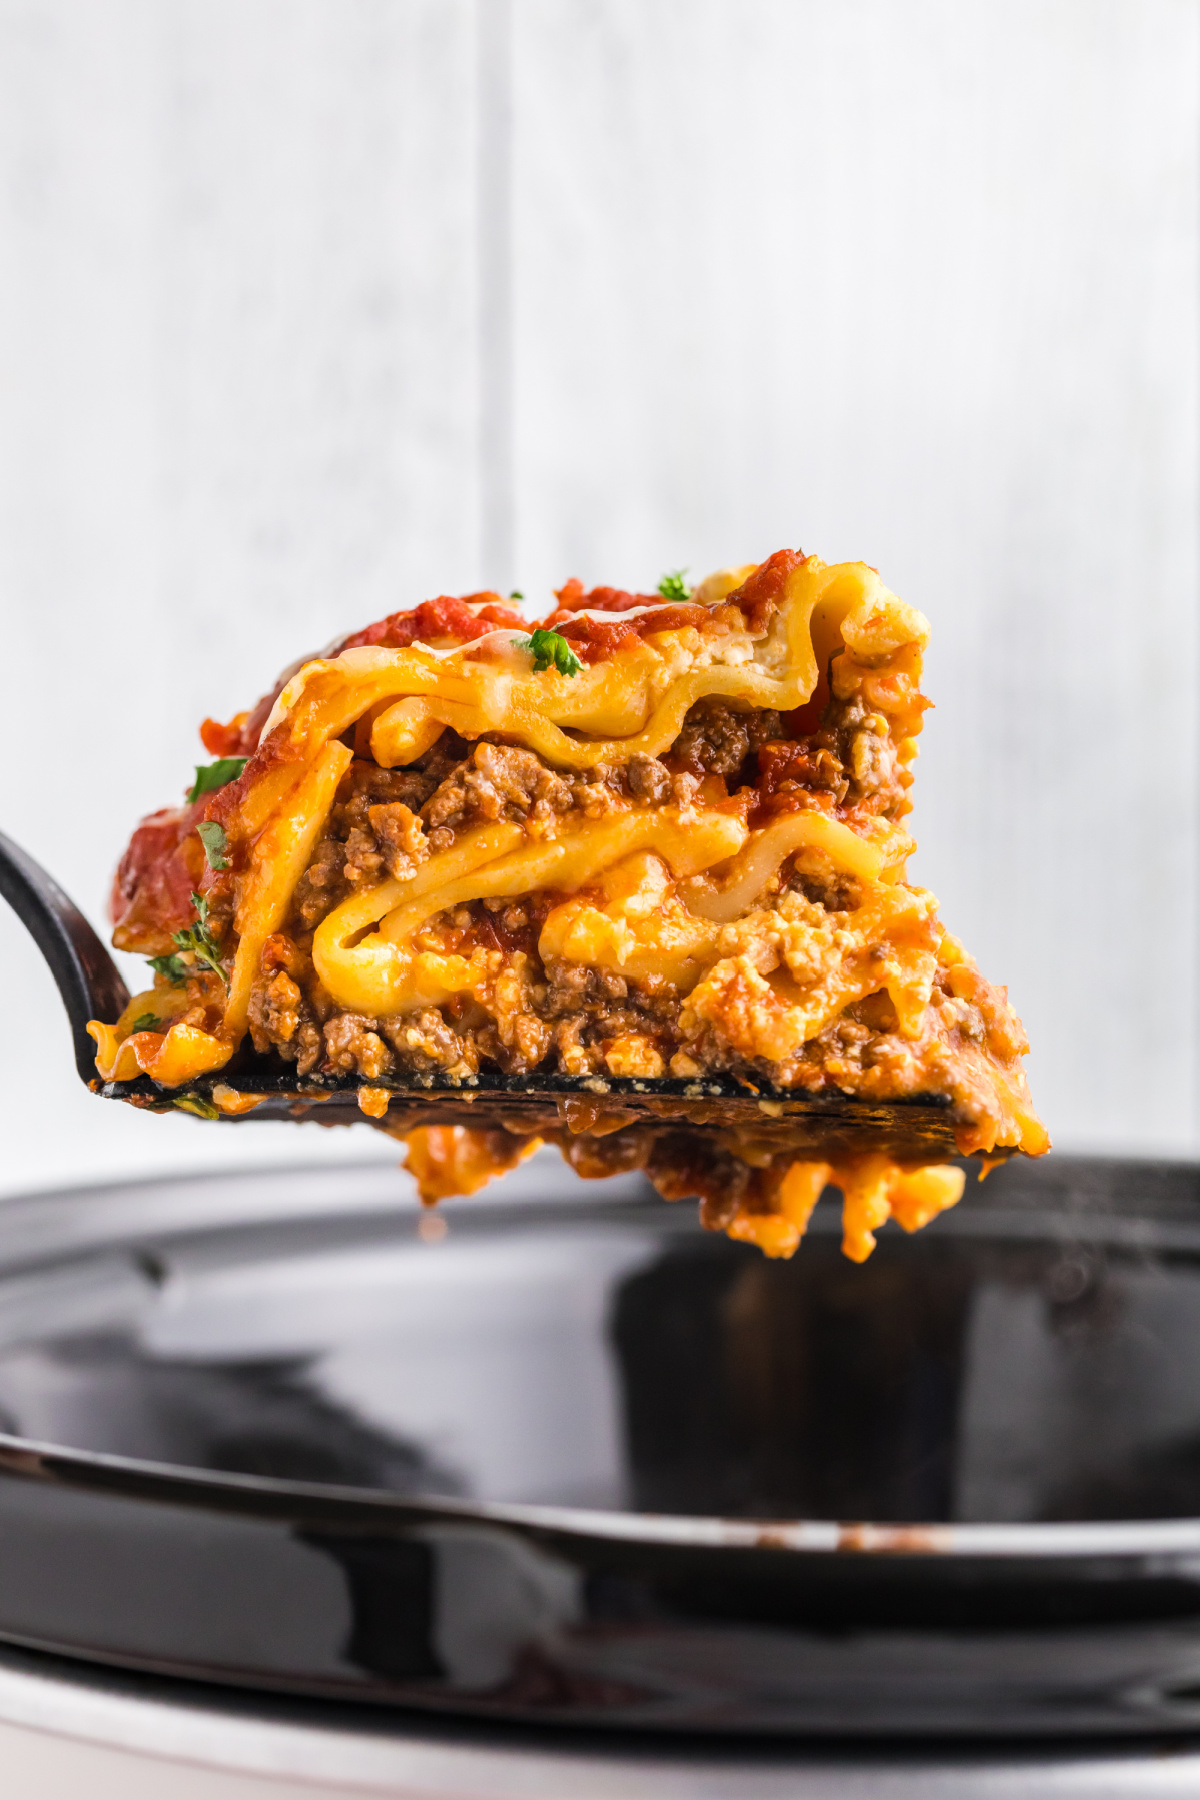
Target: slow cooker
298, 1484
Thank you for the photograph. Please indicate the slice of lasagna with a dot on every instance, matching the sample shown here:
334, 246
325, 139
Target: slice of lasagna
619, 867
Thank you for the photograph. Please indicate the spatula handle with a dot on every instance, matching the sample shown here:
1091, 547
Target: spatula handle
86, 976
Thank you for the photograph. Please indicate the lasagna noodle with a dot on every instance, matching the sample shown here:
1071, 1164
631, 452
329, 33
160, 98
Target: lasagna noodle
632, 705
277, 861
381, 974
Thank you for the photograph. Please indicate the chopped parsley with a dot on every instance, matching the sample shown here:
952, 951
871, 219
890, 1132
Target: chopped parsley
550, 651
172, 968
674, 587
516, 594
199, 940
197, 1105
212, 836
215, 775
145, 1022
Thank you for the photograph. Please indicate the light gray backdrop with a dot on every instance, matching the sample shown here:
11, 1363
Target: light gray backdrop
312, 308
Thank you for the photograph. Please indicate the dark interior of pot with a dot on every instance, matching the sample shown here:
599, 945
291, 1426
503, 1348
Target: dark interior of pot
1033, 1356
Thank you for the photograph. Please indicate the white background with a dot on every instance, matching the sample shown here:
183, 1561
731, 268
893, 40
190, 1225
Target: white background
310, 309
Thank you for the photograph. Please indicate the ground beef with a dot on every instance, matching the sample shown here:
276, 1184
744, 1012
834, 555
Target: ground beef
274, 1012
423, 1042
372, 831
510, 925
866, 748
851, 759
401, 837
283, 952
648, 779
794, 767
573, 1056
526, 1039
571, 986
592, 1007
391, 843
362, 859
816, 878
499, 782
717, 740
562, 1017
599, 791
310, 1048
365, 785
351, 1045
321, 886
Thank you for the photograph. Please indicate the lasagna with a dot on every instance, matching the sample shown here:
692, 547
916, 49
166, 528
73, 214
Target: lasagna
619, 865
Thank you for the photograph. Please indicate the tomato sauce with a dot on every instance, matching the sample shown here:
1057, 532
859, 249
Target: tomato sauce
152, 890
445, 617
571, 598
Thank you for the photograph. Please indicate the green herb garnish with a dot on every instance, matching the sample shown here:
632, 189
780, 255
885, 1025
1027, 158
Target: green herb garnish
212, 836
145, 1022
674, 587
550, 651
215, 775
171, 967
516, 594
199, 940
202, 1109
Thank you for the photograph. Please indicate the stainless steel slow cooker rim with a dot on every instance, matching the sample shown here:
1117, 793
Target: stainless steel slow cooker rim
25, 1218
1134, 1541
279, 1736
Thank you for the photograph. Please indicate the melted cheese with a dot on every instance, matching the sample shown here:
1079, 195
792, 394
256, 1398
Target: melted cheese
784, 975
170, 1058
874, 1190
636, 926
